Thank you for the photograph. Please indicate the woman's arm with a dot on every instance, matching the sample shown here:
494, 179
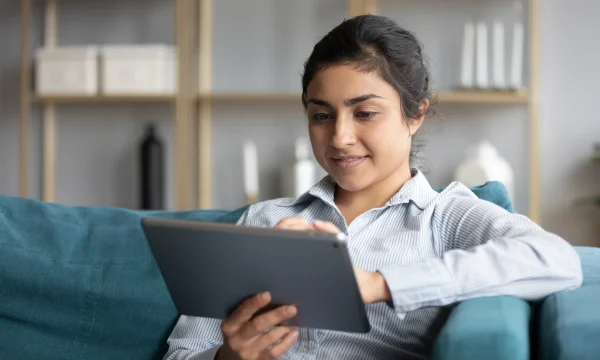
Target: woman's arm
488, 251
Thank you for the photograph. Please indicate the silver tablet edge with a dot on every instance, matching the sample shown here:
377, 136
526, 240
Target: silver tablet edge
233, 228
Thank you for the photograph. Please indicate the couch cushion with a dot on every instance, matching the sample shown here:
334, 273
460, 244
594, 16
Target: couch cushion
486, 328
80, 283
570, 320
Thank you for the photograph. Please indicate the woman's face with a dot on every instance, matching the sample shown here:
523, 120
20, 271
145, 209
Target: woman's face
356, 127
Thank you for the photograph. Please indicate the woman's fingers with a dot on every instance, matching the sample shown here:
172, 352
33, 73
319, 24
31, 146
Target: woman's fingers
259, 324
293, 223
300, 223
280, 348
326, 226
245, 335
268, 339
244, 312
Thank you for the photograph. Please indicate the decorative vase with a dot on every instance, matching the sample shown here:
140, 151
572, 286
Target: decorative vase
483, 163
300, 176
152, 171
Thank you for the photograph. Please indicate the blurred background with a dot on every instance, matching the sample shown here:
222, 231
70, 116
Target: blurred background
227, 117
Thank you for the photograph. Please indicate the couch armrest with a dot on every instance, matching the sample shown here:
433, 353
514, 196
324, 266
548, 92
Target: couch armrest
569, 321
492, 328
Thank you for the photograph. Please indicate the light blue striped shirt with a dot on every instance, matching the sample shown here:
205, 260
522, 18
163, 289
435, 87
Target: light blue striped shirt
434, 249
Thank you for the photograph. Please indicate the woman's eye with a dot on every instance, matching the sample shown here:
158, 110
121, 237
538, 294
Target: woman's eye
321, 116
365, 114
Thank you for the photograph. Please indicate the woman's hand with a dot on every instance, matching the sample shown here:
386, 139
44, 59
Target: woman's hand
245, 336
372, 285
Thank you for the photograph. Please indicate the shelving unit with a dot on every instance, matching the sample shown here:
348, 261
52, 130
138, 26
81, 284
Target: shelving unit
82, 99
194, 101
183, 101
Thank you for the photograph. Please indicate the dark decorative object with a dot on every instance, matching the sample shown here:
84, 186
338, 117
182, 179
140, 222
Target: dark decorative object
152, 171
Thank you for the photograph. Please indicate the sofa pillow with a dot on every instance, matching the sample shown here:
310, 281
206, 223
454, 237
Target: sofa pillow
495, 327
569, 321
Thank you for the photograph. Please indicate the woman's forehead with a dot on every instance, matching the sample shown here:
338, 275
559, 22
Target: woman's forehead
349, 81
341, 84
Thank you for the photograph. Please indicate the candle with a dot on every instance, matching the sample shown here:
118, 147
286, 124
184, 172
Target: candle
482, 55
468, 55
250, 172
499, 81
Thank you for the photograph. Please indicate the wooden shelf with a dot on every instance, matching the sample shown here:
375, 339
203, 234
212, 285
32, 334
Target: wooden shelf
74, 99
483, 97
251, 96
472, 97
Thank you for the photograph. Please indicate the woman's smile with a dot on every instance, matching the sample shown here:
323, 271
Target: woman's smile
348, 162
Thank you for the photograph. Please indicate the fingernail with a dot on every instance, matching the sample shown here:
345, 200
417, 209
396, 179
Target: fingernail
318, 222
290, 310
264, 295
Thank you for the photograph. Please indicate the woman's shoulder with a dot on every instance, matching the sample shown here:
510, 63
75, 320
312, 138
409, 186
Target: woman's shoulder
490, 192
457, 199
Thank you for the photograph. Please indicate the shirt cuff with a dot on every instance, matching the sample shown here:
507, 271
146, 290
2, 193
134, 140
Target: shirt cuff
416, 285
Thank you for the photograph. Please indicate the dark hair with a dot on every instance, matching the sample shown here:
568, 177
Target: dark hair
376, 43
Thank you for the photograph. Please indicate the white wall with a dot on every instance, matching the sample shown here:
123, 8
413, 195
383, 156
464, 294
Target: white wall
570, 121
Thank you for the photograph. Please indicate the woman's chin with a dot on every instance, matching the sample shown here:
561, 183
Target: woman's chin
351, 184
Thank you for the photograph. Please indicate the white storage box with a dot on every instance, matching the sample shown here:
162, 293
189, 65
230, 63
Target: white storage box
71, 70
138, 69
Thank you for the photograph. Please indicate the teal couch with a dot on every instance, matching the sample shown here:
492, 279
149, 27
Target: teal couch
80, 283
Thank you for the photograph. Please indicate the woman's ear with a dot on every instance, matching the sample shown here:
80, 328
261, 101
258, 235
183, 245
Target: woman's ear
416, 123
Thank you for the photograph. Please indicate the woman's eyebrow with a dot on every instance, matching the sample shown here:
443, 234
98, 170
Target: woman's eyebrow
361, 98
348, 102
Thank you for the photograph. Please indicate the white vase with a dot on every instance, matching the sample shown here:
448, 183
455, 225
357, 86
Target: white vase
300, 176
483, 163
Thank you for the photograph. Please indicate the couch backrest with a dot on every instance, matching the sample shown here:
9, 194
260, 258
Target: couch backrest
81, 283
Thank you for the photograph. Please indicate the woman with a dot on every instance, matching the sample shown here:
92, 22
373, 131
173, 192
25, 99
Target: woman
366, 92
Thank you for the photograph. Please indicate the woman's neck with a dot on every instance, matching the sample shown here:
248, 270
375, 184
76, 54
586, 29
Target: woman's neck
354, 203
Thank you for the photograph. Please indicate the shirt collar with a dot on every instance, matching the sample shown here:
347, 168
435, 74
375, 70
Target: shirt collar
417, 190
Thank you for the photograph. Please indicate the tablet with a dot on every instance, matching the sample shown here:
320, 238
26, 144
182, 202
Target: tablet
210, 268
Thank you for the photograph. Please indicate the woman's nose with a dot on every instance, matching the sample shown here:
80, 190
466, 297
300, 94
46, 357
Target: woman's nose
343, 133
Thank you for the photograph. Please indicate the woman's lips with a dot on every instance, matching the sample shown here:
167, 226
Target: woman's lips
349, 162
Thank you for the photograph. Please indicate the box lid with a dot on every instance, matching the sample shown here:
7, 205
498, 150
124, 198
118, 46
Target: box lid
67, 52
137, 51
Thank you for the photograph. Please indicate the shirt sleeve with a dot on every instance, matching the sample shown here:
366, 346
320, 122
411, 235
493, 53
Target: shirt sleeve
197, 338
194, 338
487, 251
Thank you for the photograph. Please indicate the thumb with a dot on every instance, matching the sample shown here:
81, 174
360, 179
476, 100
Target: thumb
326, 226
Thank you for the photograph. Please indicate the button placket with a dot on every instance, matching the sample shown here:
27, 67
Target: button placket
309, 342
